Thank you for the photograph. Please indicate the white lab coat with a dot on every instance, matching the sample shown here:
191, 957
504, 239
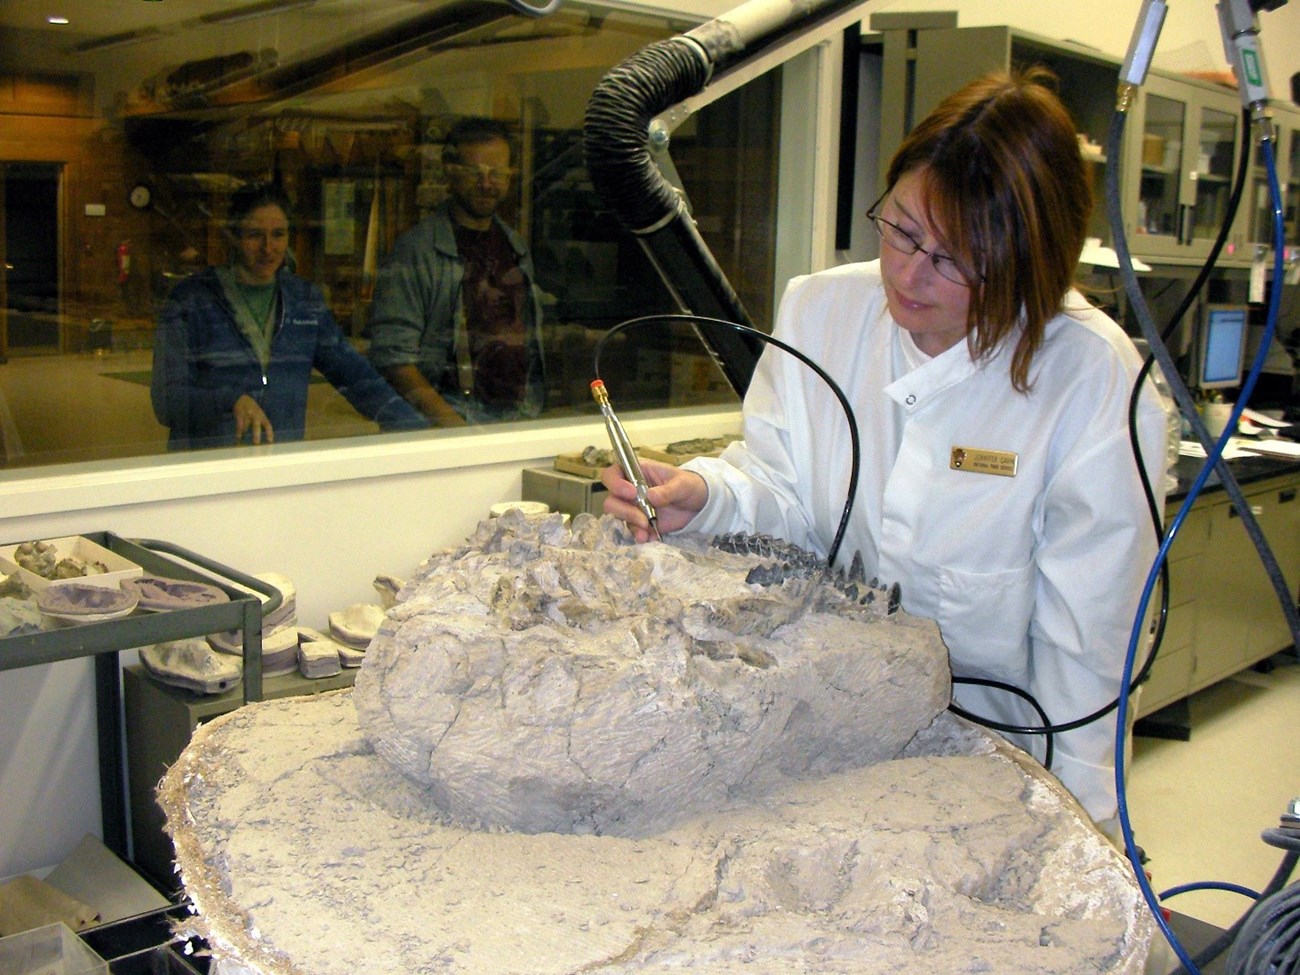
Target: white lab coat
1033, 579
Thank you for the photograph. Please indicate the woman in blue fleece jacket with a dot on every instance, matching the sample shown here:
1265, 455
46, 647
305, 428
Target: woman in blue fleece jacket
236, 345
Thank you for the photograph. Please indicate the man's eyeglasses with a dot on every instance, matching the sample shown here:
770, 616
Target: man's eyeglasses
493, 174
903, 242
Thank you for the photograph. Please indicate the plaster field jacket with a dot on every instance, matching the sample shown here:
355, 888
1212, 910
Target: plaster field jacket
203, 363
418, 315
1034, 579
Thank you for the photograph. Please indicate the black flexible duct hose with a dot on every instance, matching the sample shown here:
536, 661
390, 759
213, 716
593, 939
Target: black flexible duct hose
616, 136
618, 159
618, 117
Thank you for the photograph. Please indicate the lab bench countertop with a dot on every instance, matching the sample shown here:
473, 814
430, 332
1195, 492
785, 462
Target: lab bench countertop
1247, 470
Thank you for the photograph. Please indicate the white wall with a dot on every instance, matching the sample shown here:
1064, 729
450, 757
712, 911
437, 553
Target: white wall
332, 518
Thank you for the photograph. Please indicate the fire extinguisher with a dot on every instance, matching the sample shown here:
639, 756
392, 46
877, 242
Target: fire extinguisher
123, 261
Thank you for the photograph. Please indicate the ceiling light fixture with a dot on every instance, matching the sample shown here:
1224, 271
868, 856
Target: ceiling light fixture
55, 19
263, 9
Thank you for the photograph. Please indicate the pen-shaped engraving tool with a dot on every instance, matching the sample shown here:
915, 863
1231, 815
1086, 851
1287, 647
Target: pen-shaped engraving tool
626, 456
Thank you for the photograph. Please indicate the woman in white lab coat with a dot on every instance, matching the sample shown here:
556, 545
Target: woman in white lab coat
997, 485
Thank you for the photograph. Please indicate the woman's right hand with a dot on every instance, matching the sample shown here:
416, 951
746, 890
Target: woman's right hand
251, 419
677, 497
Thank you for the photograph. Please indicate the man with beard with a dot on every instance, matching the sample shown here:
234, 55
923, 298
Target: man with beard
455, 324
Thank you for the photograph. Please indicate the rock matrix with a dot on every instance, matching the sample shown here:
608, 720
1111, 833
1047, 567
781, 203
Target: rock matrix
548, 678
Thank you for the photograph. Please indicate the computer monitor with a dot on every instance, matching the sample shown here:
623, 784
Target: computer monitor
1221, 346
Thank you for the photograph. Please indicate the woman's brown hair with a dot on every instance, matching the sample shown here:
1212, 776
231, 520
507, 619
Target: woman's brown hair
1006, 186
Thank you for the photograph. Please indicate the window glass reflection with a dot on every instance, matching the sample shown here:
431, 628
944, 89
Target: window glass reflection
127, 140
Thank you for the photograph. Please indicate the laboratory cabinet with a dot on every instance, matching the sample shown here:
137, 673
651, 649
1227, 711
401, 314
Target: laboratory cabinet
1224, 614
1238, 616
1182, 148
1181, 139
1259, 203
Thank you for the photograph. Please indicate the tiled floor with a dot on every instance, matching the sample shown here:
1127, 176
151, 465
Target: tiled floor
1198, 807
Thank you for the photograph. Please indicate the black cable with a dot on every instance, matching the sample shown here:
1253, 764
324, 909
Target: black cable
854, 441
1048, 751
1047, 728
1283, 837
1234, 201
1157, 522
1157, 516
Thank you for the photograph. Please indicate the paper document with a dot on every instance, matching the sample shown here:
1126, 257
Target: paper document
1262, 419
1235, 447
1287, 449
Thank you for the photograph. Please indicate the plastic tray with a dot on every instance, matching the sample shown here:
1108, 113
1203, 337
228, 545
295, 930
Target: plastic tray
50, 950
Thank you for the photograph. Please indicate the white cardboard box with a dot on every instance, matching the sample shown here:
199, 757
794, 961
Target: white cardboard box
119, 568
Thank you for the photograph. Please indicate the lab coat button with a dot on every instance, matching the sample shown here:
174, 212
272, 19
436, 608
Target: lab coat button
911, 399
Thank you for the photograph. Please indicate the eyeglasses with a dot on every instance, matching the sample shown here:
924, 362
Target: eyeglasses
493, 174
903, 242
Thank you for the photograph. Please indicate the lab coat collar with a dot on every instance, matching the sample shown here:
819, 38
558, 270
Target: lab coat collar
913, 390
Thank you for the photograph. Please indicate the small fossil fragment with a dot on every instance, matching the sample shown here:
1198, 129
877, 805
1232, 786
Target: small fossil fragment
356, 625
597, 456
38, 558
193, 665
13, 586
74, 567
18, 616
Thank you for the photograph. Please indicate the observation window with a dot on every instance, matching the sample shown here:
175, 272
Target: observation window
126, 134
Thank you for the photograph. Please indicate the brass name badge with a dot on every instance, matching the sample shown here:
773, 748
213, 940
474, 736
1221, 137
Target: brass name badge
977, 461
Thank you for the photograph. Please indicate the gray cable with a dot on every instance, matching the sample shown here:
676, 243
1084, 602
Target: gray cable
1269, 941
